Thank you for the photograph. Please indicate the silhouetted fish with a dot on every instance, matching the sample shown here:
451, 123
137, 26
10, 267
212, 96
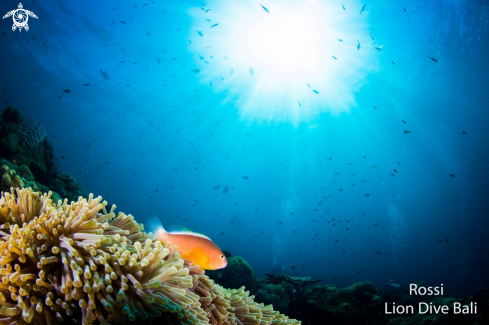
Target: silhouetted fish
264, 8
363, 8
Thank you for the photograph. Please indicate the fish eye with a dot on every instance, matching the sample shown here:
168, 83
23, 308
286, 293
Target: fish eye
222, 256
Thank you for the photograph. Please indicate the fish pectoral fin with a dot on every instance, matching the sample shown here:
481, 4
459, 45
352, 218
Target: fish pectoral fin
198, 256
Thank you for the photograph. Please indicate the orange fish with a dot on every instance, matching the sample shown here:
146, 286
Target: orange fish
193, 246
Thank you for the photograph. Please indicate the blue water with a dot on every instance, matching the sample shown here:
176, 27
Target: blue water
157, 137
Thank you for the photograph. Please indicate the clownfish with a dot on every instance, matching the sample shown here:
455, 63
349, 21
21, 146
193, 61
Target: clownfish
193, 246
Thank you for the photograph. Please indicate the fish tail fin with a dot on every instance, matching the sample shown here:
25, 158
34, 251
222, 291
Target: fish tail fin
154, 225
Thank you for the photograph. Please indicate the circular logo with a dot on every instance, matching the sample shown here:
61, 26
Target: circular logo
20, 18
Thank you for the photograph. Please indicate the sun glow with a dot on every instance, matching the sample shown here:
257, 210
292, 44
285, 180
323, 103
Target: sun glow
291, 64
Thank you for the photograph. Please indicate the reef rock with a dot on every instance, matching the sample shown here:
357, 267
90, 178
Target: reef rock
236, 274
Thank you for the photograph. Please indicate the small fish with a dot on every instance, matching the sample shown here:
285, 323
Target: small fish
216, 187
147, 33
407, 132
452, 175
393, 174
403, 121
375, 106
213, 26
232, 70
195, 70
245, 177
363, 8
208, 10
343, 6
317, 92
379, 47
67, 91
330, 158
203, 9
446, 240
394, 63
104, 74
464, 133
299, 104
364, 157
404, 8
378, 253
373, 166
334, 57
293, 267
339, 40
86, 84
434, 59
122, 22
121, 61
201, 57
200, 33
367, 195
135, 62
189, 41
395, 170
399, 163
264, 8
308, 85
144, 5
178, 29
226, 57
372, 37
59, 97
112, 23
192, 246
252, 71
358, 45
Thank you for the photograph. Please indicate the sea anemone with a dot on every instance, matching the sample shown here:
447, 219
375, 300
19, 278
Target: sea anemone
82, 261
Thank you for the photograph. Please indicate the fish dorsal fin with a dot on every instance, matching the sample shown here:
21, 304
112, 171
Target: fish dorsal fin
153, 225
181, 230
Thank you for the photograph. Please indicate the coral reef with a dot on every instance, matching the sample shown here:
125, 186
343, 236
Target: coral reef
237, 273
32, 131
24, 146
81, 262
352, 305
9, 178
275, 295
27, 153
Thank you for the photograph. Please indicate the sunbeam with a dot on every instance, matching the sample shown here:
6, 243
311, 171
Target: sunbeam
289, 63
